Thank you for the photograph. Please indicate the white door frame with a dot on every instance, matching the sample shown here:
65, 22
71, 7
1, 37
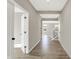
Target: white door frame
10, 29
22, 25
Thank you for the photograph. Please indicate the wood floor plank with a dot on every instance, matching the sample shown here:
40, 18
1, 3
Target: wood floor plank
46, 49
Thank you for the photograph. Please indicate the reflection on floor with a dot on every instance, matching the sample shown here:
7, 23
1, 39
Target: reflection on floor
46, 49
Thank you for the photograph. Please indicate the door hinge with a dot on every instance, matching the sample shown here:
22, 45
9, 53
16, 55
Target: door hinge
25, 46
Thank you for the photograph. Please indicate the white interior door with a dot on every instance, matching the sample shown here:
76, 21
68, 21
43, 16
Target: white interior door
10, 30
17, 30
24, 29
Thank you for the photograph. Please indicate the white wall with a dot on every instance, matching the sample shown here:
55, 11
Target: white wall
34, 23
65, 28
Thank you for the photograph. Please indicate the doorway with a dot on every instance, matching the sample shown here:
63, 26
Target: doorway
21, 22
51, 29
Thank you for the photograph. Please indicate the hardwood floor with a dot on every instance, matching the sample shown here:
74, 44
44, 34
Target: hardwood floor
46, 49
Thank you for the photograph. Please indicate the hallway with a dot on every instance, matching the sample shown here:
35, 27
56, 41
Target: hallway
46, 49
56, 44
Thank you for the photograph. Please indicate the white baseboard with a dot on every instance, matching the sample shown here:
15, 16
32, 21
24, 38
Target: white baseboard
17, 45
34, 46
64, 48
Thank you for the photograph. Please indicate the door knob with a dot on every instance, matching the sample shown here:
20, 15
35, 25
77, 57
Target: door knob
13, 38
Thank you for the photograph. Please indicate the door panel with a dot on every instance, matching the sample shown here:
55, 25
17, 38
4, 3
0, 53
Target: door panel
17, 29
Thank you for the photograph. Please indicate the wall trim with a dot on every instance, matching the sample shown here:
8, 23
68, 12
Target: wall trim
49, 19
65, 5
64, 48
49, 12
34, 46
32, 6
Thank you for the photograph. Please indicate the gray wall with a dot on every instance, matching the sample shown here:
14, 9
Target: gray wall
34, 22
65, 28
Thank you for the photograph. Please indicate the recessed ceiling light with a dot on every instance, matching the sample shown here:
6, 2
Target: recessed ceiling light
47, 0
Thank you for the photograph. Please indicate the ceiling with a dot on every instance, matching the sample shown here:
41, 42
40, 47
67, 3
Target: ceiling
48, 5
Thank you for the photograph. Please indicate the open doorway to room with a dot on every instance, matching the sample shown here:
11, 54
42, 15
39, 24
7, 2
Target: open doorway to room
51, 29
21, 22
